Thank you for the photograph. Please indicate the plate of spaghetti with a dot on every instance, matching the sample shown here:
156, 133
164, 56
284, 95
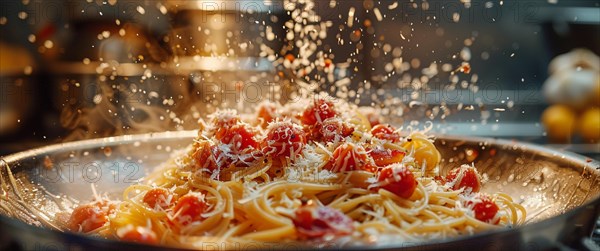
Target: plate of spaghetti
316, 172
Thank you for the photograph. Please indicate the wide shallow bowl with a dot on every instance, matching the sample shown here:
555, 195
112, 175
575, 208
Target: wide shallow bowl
560, 190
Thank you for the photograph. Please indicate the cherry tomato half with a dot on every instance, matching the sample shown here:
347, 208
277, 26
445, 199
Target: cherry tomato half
334, 129
88, 217
158, 197
239, 136
465, 177
137, 234
385, 132
485, 208
398, 179
284, 139
384, 157
189, 208
314, 221
318, 112
350, 157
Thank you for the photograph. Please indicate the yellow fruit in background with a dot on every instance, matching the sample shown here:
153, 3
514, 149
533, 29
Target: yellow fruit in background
559, 121
589, 125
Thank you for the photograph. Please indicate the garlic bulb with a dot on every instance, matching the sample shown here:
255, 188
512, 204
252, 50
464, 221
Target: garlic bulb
575, 79
577, 58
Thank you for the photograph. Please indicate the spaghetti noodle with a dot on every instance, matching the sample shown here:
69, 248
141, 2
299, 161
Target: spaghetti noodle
320, 174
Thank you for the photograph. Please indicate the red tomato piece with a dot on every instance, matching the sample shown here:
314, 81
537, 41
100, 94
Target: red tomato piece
383, 157
328, 62
208, 156
86, 218
334, 129
290, 57
312, 221
189, 208
350, 157
318, 112
385, 132
485, 209
398, 179
137, 234
284, 139
267, 112
239, 136
464, 177
158, 197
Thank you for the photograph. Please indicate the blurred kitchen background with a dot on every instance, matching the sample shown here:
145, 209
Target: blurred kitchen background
77, 69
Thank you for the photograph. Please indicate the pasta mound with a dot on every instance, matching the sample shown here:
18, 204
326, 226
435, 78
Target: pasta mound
319, 175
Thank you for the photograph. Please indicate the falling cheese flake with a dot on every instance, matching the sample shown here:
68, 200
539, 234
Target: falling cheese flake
141, 10
162, 9
27, 70
351, 16
23, 15
456, 17
378, 14
48, 44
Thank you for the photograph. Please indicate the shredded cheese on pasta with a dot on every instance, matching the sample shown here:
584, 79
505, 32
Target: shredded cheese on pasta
254, 198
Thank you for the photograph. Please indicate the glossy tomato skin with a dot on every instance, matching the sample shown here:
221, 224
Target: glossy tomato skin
312, 221
384, 157
398, 179
239, 136
350, 157
208, 156
284, 139
317, 112
157, 197
385, 132
138, 234
189, 208
485, 209
464, 177
333, 130
88, 217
